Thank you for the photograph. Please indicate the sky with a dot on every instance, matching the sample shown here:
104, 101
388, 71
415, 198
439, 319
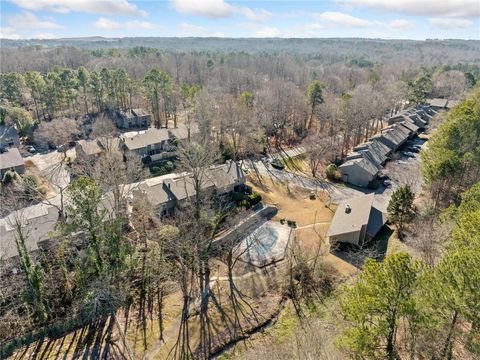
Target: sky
387, 19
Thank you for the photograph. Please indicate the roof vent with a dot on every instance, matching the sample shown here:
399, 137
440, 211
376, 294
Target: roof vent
348, 209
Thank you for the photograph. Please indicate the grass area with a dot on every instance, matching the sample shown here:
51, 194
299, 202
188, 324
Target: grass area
297, 163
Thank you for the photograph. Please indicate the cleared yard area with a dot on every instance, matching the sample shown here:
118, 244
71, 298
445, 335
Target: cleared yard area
312, 217
293, 202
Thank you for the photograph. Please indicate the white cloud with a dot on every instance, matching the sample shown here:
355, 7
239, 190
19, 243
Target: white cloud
108, 24
255, 15
452, 8
9, 33
401, 24
217, 9
208, 8
28, 20
342, 19
109, 7
188, 29
446, 23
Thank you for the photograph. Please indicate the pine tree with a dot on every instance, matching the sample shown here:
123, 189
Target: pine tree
375, 304
400, 208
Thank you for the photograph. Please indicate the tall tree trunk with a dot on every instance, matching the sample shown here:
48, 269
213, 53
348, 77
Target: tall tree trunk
447, 347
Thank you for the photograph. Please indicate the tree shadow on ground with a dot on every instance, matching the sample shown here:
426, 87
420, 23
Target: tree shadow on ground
376, 249
93, 341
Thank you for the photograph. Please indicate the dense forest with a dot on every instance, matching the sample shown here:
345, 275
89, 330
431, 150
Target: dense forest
124, 276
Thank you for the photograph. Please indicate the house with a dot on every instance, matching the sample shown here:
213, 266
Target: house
8, 137
437, 104
164, 193
411, 127
227, 177
392, 136
360, 171
11, 159
133, 118
92, 149
379, 152
452, 103
87, 149
167, 192
418, 120
38, 221
159, 144
356, 221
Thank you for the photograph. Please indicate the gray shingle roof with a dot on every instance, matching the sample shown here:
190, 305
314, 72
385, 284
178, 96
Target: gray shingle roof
344, 222
362, 213
410, 126
376, 221
378, 150
89, 147
10, 158
140, 139
436, 102
364, 163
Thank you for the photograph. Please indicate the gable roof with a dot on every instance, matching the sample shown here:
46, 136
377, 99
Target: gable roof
89, 147
410, 126
362, 213
363, 163
132, 113
8, 134
437, 102
452, 103
37, 221
344, 222
10, 158
376, 221
139, 139
393, 134
227, 174
378, 150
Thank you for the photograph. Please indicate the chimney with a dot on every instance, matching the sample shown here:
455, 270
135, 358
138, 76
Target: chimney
348, 209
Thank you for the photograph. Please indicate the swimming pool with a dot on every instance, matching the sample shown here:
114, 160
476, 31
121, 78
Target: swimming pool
266, 244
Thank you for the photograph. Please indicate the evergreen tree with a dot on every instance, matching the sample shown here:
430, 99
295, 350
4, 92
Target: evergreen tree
314, 97
375, 304
400, 208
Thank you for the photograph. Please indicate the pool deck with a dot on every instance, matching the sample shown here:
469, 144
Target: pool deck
266, 244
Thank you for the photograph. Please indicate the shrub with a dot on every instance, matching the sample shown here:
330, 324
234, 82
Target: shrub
9, 177
238, 196
244, 203
162, 169
254, 198
292, 224
278, 164
42, 189
331, 172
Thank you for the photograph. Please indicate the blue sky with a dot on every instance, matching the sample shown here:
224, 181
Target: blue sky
389, 19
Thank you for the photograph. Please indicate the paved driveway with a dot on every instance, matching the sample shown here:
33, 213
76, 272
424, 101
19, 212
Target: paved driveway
52, 168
